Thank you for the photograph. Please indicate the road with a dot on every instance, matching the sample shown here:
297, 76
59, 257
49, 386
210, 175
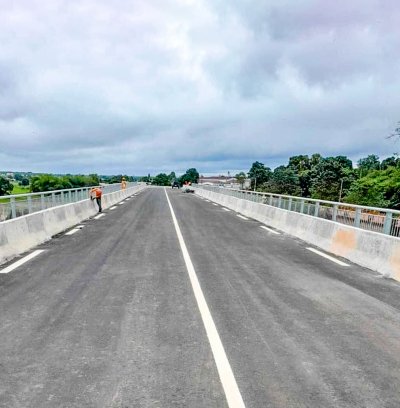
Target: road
110, 317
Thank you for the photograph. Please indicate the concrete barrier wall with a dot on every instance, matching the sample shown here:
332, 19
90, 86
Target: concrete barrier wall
23, 233
378, 252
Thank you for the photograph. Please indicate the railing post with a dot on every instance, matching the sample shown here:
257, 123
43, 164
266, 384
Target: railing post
42, 203
279, 201
69, 196
13, 209
30, 204
357, 219
316, 209
387, 226
270, 200
335, 212
53, 199
302, 206
290, 204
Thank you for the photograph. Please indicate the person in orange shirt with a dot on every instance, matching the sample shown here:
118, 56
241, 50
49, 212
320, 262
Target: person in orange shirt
123, 183
96, 193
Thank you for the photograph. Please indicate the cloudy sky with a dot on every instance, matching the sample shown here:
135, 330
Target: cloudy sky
138, 86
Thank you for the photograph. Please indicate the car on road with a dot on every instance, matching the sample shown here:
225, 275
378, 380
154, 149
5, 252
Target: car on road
176, 184
187, 188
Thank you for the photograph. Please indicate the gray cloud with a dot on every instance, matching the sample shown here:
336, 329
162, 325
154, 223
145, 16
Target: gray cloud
137, 87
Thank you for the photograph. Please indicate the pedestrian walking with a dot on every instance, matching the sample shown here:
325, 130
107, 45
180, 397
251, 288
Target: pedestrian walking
95, 194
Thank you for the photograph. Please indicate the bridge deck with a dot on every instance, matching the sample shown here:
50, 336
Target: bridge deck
107, 317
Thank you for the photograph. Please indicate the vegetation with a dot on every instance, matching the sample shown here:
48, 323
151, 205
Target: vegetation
18, 189
241, 177
162, 179
373, 183
191, 175
6, 186
49, 182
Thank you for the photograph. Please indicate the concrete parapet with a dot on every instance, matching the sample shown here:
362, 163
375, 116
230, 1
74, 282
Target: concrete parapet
23, 233
375, 251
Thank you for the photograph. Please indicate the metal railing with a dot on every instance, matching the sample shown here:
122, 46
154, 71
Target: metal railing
12, 206
384, 221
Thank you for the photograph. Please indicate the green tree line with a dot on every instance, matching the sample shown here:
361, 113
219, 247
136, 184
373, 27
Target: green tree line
372, 183
162, 179
50, 182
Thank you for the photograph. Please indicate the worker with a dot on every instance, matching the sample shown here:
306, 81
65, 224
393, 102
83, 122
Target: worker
96, 193
123, 183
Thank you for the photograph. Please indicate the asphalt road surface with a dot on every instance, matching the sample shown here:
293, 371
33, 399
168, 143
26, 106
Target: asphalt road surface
111, 316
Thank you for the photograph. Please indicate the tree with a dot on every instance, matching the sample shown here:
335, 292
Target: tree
48, 182
191, 175
392, 161
259, 174
299, 163
241, 177
161, 180
368, 163
379, 188
396, 133
6, 186
315, 159
25, 182
172, 177
331, 178
284, 180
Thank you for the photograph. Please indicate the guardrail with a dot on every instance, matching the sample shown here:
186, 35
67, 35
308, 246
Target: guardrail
381, 220
13, 206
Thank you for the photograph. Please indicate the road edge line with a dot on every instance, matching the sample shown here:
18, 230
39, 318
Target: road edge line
23, 260
331, 258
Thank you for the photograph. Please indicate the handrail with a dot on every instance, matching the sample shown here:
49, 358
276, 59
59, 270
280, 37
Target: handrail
382, 220
16, 205
341, 203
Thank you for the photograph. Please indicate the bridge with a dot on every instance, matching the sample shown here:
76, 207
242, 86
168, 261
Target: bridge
210, 299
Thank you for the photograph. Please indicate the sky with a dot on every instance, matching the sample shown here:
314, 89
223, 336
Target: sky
136, 87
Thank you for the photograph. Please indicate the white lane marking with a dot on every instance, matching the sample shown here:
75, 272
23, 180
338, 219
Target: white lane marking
331, 258
270, 230
225, 209
226, 376
241, 216
121, 203
79, 226
99, 216
72, 231
207, 201
22, 261
215, 204
113, 208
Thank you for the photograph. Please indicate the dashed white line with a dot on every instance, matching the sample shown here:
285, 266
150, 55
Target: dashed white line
113, 207
331, 258
225, 209
99, 216
207, 201
71, 232
121, 203
215, 204
270, 230
22, 261
225, 372
241, 216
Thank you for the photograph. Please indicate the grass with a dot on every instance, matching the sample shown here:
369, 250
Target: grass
20, 190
